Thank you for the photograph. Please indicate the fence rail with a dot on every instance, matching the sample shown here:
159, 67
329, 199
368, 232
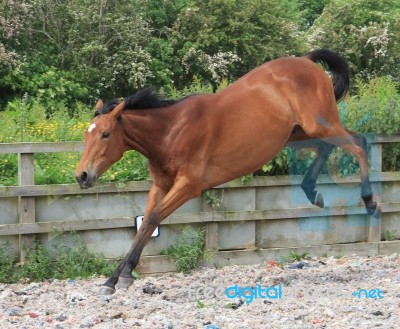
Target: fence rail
252, 219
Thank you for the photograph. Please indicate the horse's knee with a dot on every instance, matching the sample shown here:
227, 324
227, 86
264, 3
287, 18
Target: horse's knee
153, 220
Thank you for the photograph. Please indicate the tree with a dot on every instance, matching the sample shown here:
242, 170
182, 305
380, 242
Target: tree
366, 32
108, 41
12, 26
61, 52
225, 39
76, 50
14, 29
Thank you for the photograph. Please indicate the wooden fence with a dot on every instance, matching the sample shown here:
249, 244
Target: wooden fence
261, 219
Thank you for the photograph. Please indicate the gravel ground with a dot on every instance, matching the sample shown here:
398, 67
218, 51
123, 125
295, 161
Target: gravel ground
350, 292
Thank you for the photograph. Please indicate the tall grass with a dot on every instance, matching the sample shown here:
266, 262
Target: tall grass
26, 121
60, 261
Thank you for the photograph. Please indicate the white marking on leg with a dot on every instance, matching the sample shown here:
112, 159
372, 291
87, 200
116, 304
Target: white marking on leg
91, 127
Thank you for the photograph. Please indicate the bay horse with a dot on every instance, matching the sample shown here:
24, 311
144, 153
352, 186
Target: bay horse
204, 140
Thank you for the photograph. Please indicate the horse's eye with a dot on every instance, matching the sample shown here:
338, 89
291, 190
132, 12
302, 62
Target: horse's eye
105, 134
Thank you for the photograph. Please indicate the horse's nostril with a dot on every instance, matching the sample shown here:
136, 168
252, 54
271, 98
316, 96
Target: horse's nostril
84, 176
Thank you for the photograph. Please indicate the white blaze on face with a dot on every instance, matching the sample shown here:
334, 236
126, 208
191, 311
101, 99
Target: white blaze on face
91, 127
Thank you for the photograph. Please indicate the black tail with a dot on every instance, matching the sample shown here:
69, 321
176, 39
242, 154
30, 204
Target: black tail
337, 66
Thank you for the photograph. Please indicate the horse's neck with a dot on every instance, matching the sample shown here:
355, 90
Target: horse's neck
145, 130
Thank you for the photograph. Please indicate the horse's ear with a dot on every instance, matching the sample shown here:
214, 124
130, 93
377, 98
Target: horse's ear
99, 104
116, 112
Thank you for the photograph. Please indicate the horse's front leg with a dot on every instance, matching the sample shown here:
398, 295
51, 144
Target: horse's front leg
123, 278
160, 205
155, 196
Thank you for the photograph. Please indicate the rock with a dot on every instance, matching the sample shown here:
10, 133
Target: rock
377, 313
151, 289
329, 312
298, 265
13, 311
61, 318
77, 297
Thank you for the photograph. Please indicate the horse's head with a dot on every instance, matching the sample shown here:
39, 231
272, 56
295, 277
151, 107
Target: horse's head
104, 145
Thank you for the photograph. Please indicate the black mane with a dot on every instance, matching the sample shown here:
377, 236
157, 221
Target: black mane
147, 98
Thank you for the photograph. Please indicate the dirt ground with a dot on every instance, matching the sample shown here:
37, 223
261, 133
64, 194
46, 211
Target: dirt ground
350, 292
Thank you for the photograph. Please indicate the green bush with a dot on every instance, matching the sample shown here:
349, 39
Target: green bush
7, 272
38, 266
61, 261
78, 260
188, 250
375, 110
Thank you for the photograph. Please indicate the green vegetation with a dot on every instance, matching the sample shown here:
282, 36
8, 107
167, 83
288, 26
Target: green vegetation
64, 53
389, 235
188, 250
365, 32
38, 266
60, 261
376, 110
7, 274
26, 120
294, 256
213, 198
76, 260
291, 258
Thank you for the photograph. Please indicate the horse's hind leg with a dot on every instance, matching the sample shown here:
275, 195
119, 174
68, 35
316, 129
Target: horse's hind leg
309, 182
299, 139
356, 145
366, 190
324, 150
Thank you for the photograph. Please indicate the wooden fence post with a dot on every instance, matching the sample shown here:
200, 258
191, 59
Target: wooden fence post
375, 224
212, 240
376, 159
26, 205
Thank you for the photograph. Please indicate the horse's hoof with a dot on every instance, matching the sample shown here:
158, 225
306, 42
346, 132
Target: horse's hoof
106, 290
375, 212
319, 200
124, 283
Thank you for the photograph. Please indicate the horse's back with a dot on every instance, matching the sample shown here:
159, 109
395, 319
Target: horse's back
294, 87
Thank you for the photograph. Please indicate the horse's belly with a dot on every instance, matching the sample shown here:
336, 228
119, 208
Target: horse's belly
243, 154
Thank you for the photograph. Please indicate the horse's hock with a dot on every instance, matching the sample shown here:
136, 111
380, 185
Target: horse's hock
262, 219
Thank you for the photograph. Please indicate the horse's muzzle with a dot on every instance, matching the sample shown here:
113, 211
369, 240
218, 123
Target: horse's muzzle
85, 180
